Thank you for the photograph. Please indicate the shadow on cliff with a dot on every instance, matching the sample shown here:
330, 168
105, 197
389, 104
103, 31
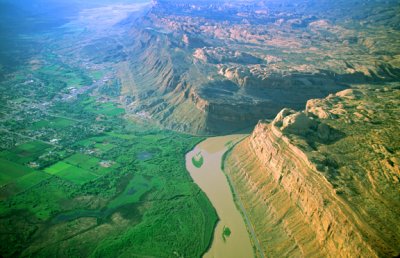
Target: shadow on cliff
320, 134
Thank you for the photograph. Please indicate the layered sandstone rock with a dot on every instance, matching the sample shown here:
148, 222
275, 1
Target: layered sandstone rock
313, 187
215, 68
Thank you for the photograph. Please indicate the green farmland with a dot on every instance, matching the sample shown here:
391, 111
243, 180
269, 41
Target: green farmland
11, 171
78, 178
105, 185
54, 123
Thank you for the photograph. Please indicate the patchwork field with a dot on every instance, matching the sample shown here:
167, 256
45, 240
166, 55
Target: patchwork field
70, 172
107, 109
11, 171
25, 153
85, 181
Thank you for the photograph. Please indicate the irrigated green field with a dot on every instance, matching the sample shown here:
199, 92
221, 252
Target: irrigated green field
71, 173
108, 109
102, 186
78, 179
25, 153
9, 171
132, 180
58, 122
76, 175
153, 199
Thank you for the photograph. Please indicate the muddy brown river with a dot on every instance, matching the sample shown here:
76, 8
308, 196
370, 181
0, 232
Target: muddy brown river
211, 179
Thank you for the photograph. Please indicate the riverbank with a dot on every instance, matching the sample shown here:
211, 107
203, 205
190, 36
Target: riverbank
231, 238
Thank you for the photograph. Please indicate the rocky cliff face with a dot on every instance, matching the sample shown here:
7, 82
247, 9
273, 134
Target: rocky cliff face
213, 68
325, 181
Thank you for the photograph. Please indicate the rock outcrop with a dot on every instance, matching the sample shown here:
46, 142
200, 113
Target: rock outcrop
215, 68
322, 183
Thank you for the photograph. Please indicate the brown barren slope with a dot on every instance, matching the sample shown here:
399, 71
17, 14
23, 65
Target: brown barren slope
217, 67
325, 181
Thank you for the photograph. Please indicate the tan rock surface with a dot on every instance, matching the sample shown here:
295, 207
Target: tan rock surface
250, 59
333, 192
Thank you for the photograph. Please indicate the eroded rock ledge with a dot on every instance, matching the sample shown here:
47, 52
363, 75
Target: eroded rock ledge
206, 67
311, 183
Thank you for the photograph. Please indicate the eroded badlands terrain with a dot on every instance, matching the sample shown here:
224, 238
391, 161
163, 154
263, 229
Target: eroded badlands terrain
214, 68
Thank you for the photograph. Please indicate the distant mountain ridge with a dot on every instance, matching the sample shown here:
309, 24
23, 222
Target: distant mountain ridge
215, 68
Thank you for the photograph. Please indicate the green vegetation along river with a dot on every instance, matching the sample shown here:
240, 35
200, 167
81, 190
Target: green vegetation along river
231, 238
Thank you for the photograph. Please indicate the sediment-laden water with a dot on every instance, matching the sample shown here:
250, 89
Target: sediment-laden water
211, 179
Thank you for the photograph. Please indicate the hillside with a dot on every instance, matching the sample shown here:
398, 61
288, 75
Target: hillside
115, 116
215, 68
325, 181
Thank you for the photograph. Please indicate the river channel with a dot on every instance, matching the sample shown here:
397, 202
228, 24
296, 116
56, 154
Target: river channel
208, 175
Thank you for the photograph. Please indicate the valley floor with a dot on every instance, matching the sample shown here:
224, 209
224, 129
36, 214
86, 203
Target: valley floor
212, 180
78, 176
